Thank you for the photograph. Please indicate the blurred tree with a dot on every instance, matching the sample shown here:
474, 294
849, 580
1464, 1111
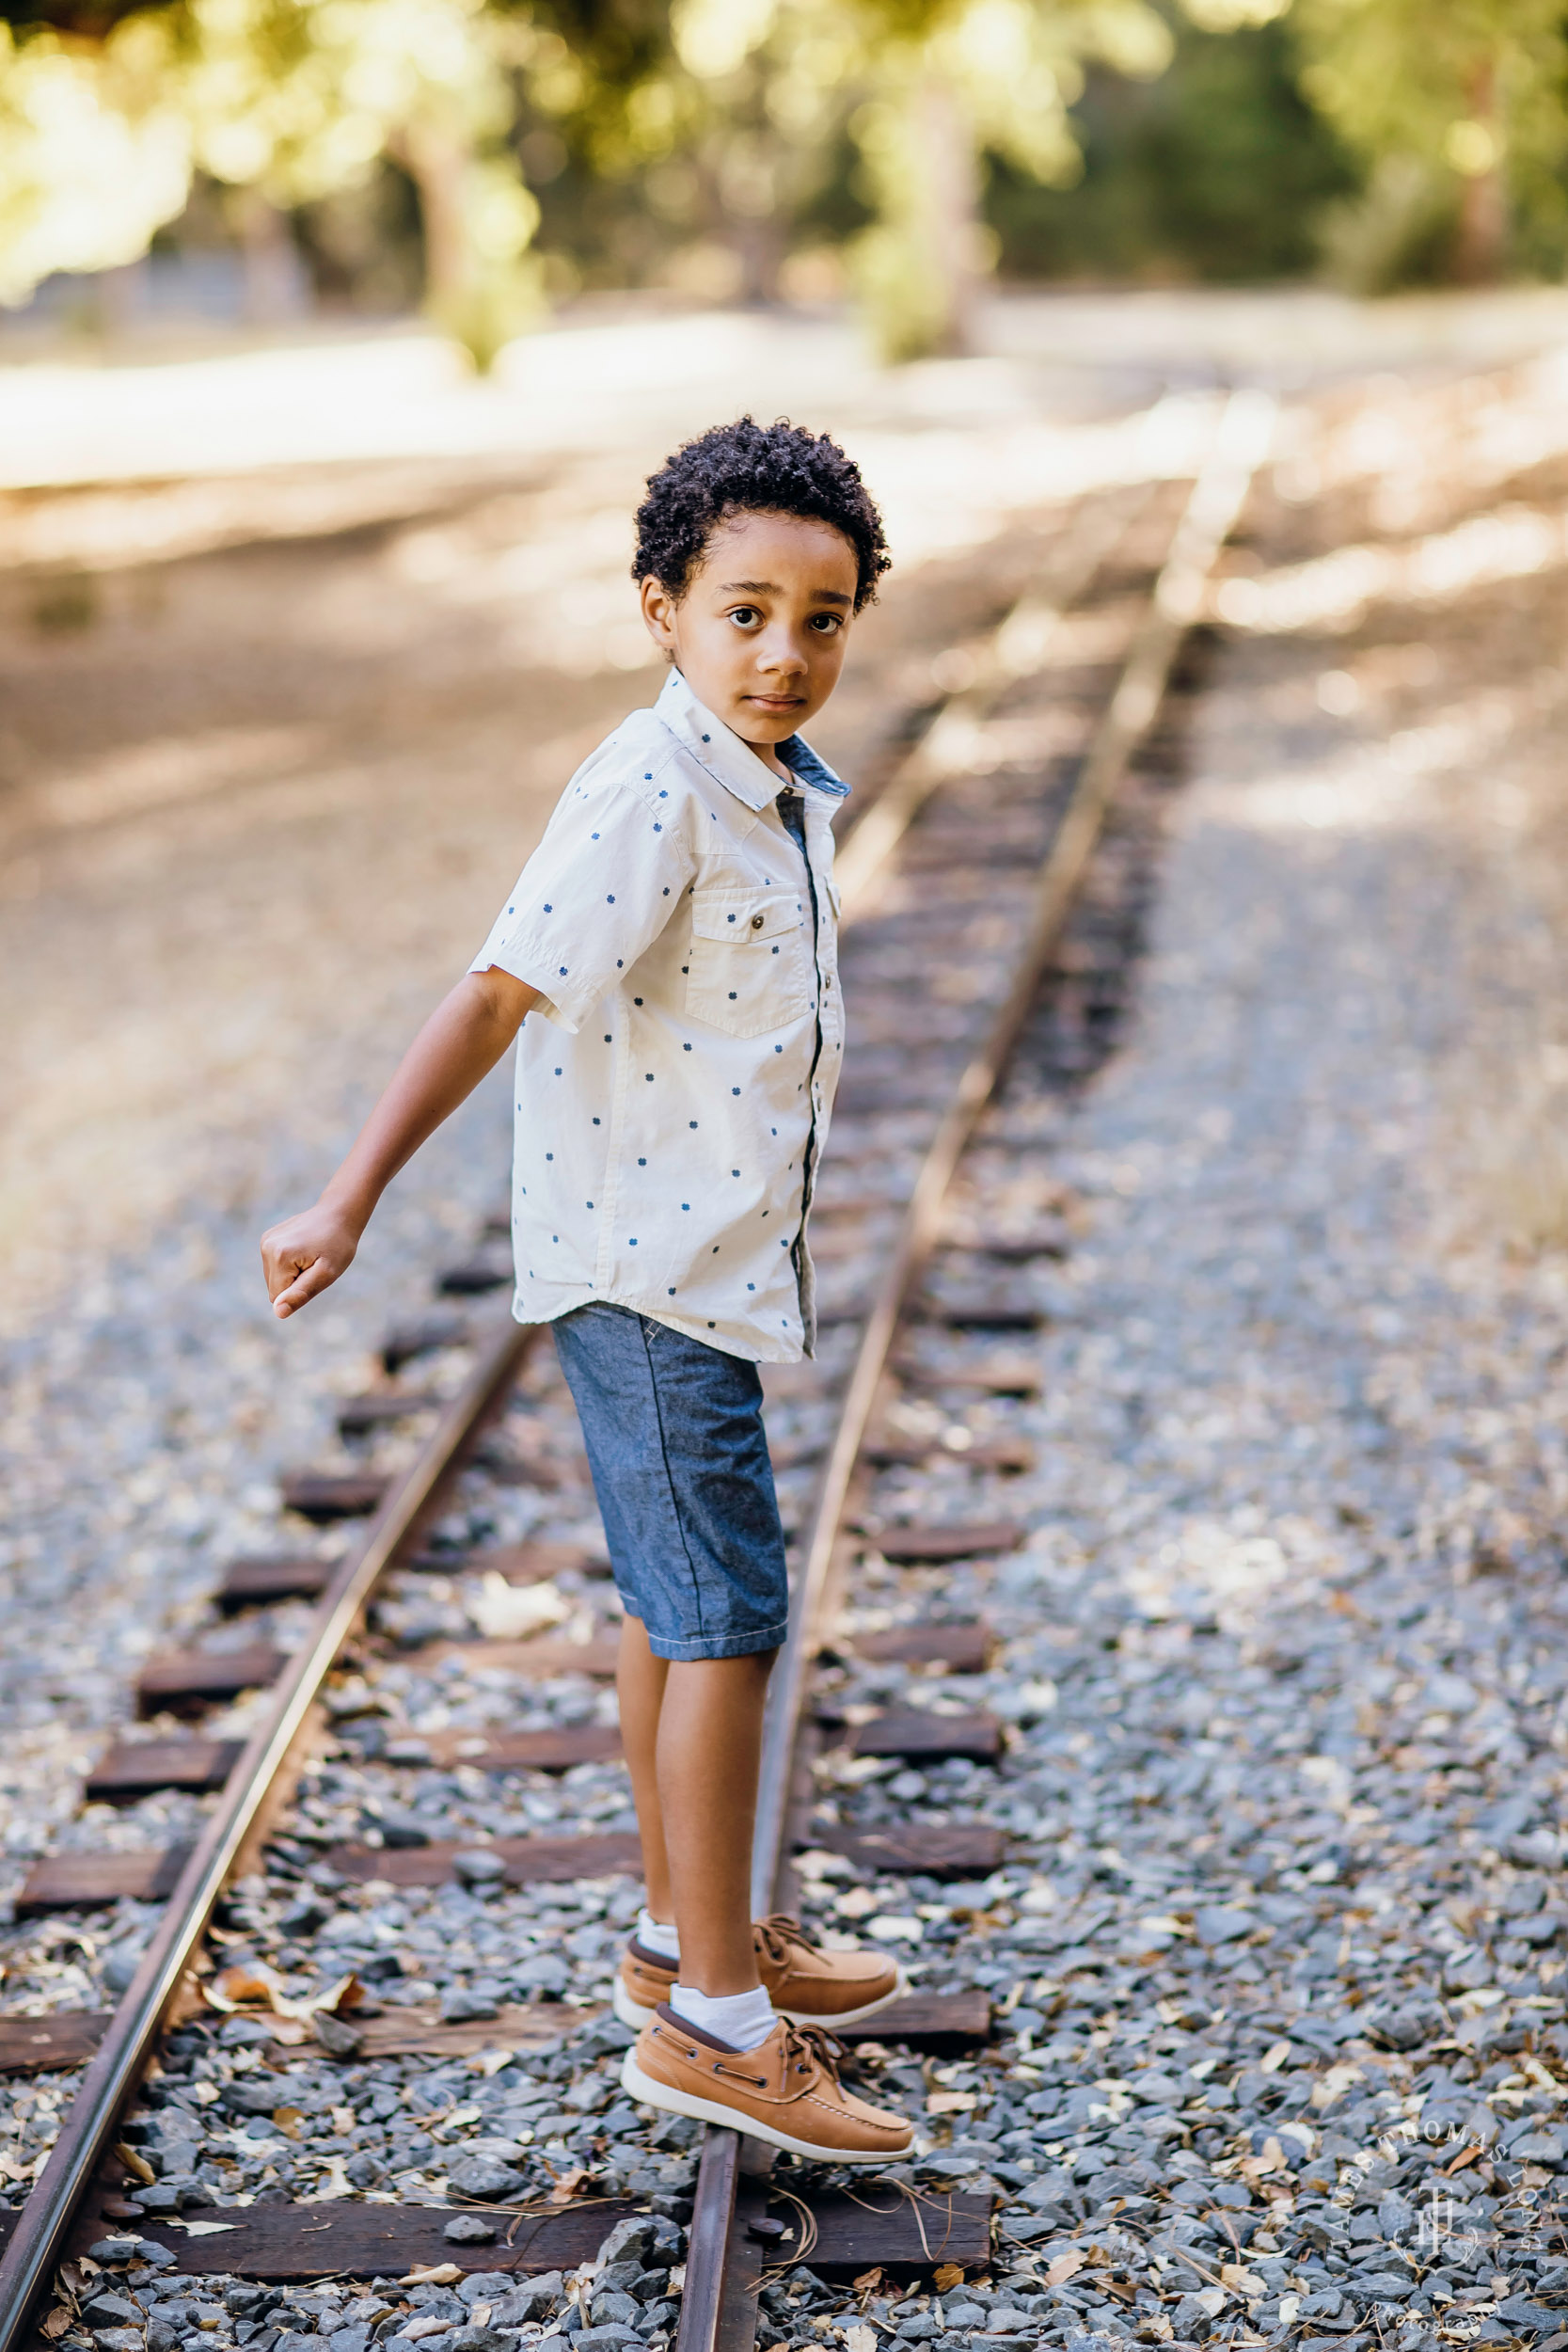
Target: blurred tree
93, 156
923, 86
1460, 107
1218, 170
287, 101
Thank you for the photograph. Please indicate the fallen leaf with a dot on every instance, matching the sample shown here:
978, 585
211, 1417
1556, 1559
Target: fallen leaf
433, 2275
1334, 2083
343, 2120
1289, 2306
567, 2184
868, 2281
1239, 2280
245, 1981
333, 2183
509, 1613
1465, 2155
57, 2322
949, 2102
288, 2120
948, 2275
857, 1902
135, 2165
203, 2228
1065, 2266
861, 2337
1275, 2056
1270, 2159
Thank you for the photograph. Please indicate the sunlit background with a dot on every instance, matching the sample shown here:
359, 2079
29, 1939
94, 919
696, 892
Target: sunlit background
272, 162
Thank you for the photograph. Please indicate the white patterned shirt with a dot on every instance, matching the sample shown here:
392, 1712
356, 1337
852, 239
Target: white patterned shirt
674, 1090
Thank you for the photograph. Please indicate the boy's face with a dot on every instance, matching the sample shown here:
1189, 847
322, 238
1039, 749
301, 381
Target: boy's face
760, 633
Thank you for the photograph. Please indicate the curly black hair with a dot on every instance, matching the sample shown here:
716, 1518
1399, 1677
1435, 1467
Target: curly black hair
748, 467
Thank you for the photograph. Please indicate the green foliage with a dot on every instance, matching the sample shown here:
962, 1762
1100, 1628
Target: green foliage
1469, 99
1216, 171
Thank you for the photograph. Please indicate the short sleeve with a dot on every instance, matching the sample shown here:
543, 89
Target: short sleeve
592, 897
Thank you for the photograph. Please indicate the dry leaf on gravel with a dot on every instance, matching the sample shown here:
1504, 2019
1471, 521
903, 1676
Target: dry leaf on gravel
1065, 2266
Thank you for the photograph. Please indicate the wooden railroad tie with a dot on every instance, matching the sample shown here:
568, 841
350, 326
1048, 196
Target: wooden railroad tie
81, 1881
912, 1545
878, 2223
474, 1277
136, 1767
943, 2023
179, 1678
918, 1732
289, 1576
1010, 1454
425, 1338
993, 1376
320, 1496
361, 1414
962, 1644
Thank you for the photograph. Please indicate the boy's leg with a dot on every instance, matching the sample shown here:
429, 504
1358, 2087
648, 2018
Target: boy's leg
640, 1680
693, 1735
709, 1751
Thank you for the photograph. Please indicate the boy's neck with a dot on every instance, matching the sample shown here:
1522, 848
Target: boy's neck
767, 754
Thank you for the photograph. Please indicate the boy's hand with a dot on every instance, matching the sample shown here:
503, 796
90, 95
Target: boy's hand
464, 1038
305, 1255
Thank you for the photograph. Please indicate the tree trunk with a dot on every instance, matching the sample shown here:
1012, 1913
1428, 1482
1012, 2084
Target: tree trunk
273, 279
947, 214
1481, 243
437, 162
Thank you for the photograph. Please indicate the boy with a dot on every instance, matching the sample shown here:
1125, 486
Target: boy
675, 934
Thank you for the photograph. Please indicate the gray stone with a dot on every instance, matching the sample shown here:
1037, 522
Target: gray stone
1214, 1924
479, 1865
468, 2229
531, 2299
611, 2309
484, 2176
111, 2310
1525, 2317
461, 2005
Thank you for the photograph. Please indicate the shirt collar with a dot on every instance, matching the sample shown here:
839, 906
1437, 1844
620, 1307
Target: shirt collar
733, 763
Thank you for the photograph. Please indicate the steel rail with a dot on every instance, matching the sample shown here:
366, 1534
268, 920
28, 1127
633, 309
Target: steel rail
1242, 434
1017, 646
39, 2242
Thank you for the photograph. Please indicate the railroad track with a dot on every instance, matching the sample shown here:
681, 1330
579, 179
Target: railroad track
957, 883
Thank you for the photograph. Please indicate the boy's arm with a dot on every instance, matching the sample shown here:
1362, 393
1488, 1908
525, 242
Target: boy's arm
460, 1042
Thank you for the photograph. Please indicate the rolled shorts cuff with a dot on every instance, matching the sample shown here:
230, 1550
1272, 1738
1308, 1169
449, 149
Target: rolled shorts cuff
720, 1644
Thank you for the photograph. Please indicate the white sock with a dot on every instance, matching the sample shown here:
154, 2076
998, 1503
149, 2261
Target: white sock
744, 2020
655, 1936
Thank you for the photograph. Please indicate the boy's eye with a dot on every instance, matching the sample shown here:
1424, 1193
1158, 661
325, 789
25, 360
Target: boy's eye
744, 616
827, 623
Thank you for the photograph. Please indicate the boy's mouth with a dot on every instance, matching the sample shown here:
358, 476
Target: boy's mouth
777, 702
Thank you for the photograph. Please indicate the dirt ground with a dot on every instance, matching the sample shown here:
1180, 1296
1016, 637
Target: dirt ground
273, 742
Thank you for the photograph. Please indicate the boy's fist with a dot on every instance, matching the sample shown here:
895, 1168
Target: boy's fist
304, 1254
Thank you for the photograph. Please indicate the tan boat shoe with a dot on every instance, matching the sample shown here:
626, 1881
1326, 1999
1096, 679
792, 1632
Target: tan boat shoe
807, 1986
787, 2092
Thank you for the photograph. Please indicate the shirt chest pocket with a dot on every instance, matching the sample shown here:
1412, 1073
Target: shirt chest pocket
748, 970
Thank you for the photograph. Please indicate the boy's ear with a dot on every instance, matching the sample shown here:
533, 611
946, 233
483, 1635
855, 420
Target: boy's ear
659, 615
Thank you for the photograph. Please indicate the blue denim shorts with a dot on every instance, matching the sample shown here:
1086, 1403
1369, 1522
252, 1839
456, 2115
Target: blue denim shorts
685, 1487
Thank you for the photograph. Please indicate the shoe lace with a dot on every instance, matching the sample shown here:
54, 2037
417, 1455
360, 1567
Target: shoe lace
810, 2046
778, 1931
